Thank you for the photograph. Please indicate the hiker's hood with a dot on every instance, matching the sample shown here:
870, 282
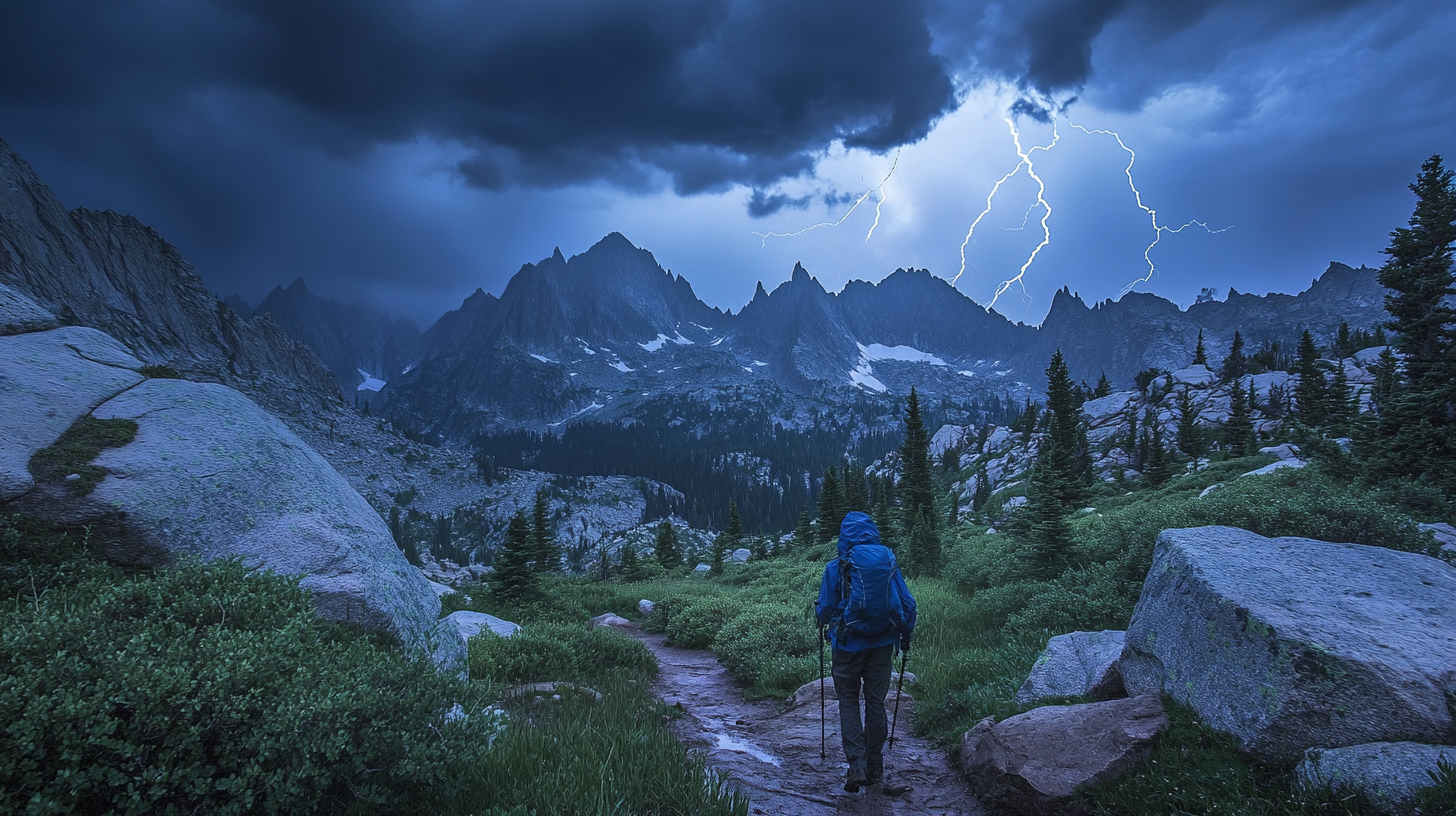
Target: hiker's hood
857, 528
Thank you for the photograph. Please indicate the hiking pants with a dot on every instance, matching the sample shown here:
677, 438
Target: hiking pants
864, 744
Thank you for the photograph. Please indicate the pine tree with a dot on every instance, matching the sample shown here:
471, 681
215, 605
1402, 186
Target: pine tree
514, 578
1235, 365
983, 491
1339, 410
735, 522
1311, 399
1344, 343
1200, 354
885, 521
1050, 532
917, 490
667, 548
546, 552
856, 497
802, 531
1158, 467
831, 506
1190, 434
1065, 449
1104, 387
721, 543
1417, 424
924, 555
631, 564
1239, 427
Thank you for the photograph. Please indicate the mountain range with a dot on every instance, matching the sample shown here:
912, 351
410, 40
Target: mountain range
609, 334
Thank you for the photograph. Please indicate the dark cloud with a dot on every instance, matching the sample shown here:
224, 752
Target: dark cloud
1057, 46
549, 92
1034, 110
761, 204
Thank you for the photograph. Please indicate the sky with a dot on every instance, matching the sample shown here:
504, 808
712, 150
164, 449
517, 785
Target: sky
404, 154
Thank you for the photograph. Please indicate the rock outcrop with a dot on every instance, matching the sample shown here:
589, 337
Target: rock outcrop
207, 474
611, 620
1387, 774
1289, 643
112, 273
1033, 763
1074, 665
470, 624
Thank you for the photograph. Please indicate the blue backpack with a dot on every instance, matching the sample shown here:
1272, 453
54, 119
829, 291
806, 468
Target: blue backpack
868, 604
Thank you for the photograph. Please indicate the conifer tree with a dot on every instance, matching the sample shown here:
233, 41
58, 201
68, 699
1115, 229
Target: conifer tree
1235, 365
1239, 427
1190, 434
1066, 449
1104, 387
514, 579
1311, 399
631, 564
1158, 466
667, 548
983, 491
546, 552
917, 491
801, 530
856, 497
1339, 410
1050, 532
831, 506
924, 555
721, 543
1417, 424
735, 522
885, 521
1200, 354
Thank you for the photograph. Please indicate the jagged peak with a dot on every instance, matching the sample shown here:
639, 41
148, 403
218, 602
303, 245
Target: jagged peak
800, 273
298, 287
557, 256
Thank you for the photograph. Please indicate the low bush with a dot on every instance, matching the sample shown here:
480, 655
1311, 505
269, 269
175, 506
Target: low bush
215, 689
697, 625
542, 652
771, 647
72, 454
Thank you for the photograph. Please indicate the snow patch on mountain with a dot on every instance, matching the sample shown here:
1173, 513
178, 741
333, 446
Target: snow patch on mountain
907, 354
656, 344
542, 359
863, 376
371, 382
622, 367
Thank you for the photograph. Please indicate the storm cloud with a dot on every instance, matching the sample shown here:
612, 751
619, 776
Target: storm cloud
403, 146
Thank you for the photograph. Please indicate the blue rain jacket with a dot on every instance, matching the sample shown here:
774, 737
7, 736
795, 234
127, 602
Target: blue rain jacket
859, 528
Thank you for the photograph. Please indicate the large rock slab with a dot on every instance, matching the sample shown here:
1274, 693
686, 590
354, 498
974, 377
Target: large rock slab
212, 475
1388, 774
1074, 665
48, 380
1033, 763
19, 314
1290, 643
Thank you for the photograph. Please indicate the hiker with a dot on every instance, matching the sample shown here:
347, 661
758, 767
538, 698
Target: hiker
868, 610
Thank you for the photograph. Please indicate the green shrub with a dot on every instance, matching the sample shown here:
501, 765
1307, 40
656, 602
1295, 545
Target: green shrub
771, 647
698, 623
664, 612
160, 372
543, 652
216, 689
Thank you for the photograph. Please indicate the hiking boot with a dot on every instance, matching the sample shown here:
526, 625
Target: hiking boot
855, 780
875, 769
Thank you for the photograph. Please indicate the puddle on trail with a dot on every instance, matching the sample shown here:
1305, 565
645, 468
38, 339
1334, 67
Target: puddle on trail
728, 742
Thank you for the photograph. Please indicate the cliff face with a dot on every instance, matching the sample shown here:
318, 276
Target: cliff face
113, 273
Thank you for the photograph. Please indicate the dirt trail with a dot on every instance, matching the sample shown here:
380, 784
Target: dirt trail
771, 752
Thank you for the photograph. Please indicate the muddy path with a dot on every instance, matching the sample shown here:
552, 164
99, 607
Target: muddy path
770, 750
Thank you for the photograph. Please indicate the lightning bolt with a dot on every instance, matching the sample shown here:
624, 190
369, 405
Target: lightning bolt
881, 202
1026, 162
880, 188
1158, 230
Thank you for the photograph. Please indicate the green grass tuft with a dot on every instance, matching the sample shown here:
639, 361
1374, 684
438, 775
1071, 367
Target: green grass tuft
72, 454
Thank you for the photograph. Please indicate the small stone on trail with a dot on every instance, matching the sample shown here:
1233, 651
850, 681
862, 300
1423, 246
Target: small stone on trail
612, 620
645, 607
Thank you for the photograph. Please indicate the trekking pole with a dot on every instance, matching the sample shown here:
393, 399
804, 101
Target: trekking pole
822, 753
899, 687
